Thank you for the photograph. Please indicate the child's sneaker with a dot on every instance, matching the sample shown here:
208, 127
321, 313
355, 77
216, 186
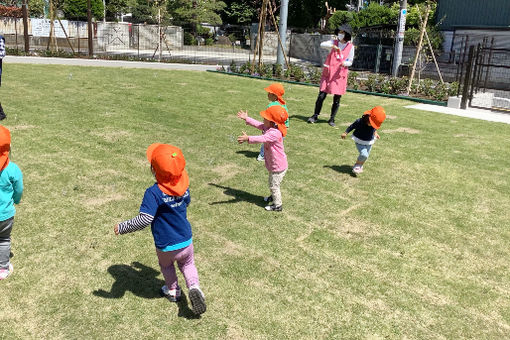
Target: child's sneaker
357, 169
260, 158
273, 207
268, 198
197, 299
4, 273
173, 295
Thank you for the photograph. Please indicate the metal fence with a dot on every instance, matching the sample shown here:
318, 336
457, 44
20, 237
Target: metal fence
484, 72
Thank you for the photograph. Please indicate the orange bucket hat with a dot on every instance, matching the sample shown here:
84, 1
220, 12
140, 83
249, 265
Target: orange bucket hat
278, 90
278, 115
5, 146
376, 116
168, 163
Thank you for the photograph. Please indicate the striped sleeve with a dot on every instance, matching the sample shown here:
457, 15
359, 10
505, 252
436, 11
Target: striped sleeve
136, 223
2, 47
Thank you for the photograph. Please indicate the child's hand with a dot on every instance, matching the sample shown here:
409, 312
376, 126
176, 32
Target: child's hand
343, 135
243, 138
377, 136
116, 229
242, 114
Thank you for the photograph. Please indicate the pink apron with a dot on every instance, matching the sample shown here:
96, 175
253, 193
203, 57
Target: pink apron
334, 77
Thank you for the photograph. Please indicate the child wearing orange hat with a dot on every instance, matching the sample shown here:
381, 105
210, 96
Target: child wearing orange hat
164, 208
365, 134
275, 94
11, 190
273, 130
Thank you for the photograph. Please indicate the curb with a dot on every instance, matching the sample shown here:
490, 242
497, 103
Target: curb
419, 100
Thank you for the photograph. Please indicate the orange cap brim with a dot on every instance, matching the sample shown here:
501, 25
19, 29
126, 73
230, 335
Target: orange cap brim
174, 188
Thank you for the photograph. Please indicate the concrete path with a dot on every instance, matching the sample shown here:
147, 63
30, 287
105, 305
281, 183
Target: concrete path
469, 113
105, 63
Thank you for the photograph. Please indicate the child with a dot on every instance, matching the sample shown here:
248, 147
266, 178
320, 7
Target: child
273, 129
11, 190
365, 134
164, 207
275, 94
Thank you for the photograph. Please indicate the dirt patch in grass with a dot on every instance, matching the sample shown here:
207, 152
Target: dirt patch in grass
390, 117
21, 127
95, 202
226, 171
404, 130
111, 136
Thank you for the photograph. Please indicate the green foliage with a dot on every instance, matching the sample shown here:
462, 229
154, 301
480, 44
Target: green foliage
195, 11
313, 75
233, 67
240, 12
278, 70
374, 14
115, 8
339, 18
145, 12
189, 39
352, 80
36, 8
77, 9
412, 35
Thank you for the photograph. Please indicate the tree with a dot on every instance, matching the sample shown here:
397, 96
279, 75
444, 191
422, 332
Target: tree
195, 12
77, 9
36, 8
240, 12
145, 12
307, 13
115, 8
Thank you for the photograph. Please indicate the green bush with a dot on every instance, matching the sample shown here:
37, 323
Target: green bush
77, 9
278, 70
314, 75
245, 68
233, 67
339, 18
209, 41
189, 39
352, 80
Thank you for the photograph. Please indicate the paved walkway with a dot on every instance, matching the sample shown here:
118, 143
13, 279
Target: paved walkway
106, 63
469, 113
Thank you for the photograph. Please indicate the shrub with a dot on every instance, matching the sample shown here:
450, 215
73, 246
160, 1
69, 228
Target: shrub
189, 39
314, 75
233, 67
278, 70
352, 80
245, 68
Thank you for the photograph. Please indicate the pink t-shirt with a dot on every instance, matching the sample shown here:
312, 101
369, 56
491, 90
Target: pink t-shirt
274, 152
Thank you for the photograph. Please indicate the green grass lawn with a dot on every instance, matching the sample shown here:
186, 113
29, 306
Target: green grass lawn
416, 247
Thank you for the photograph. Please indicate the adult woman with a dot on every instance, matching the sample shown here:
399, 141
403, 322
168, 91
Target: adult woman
335, 71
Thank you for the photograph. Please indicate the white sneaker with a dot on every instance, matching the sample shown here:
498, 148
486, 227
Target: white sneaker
4, 273
173, 295
260, 158
197, 299
357, 169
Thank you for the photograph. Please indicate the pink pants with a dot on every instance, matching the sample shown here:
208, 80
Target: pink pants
186, 262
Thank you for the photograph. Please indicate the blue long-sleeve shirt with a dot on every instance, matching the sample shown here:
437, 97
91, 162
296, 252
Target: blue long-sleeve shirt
11, 190
363, 133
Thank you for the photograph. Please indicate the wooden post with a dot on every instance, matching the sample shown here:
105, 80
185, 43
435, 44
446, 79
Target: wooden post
25, 26
65, 33
89, 28
418, 49
431, 50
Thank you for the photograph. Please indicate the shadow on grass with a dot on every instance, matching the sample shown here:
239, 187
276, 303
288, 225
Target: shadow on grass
137, 278
249, 154
184, 310
239, 196
305, 119
344, 169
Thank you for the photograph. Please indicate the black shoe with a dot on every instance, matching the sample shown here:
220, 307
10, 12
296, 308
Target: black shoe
197, 299
312, 119
268, 199
2, 113
273, 207
331, 123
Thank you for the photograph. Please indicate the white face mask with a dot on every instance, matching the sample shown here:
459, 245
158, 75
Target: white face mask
340, 36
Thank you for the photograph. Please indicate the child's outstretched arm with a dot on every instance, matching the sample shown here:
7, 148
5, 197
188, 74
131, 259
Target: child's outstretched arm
136, 223
250, 121
243, 138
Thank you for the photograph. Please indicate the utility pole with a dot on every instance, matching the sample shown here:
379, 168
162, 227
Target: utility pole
399, 38
89, 28
284, 10
25, 26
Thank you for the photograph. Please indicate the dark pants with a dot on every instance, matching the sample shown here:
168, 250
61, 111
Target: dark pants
334, 107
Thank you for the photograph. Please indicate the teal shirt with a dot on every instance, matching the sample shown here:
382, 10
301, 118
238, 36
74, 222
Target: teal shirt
284, 106
11, 189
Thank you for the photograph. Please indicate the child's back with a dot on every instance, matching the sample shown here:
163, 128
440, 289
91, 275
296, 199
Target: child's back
11, 190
